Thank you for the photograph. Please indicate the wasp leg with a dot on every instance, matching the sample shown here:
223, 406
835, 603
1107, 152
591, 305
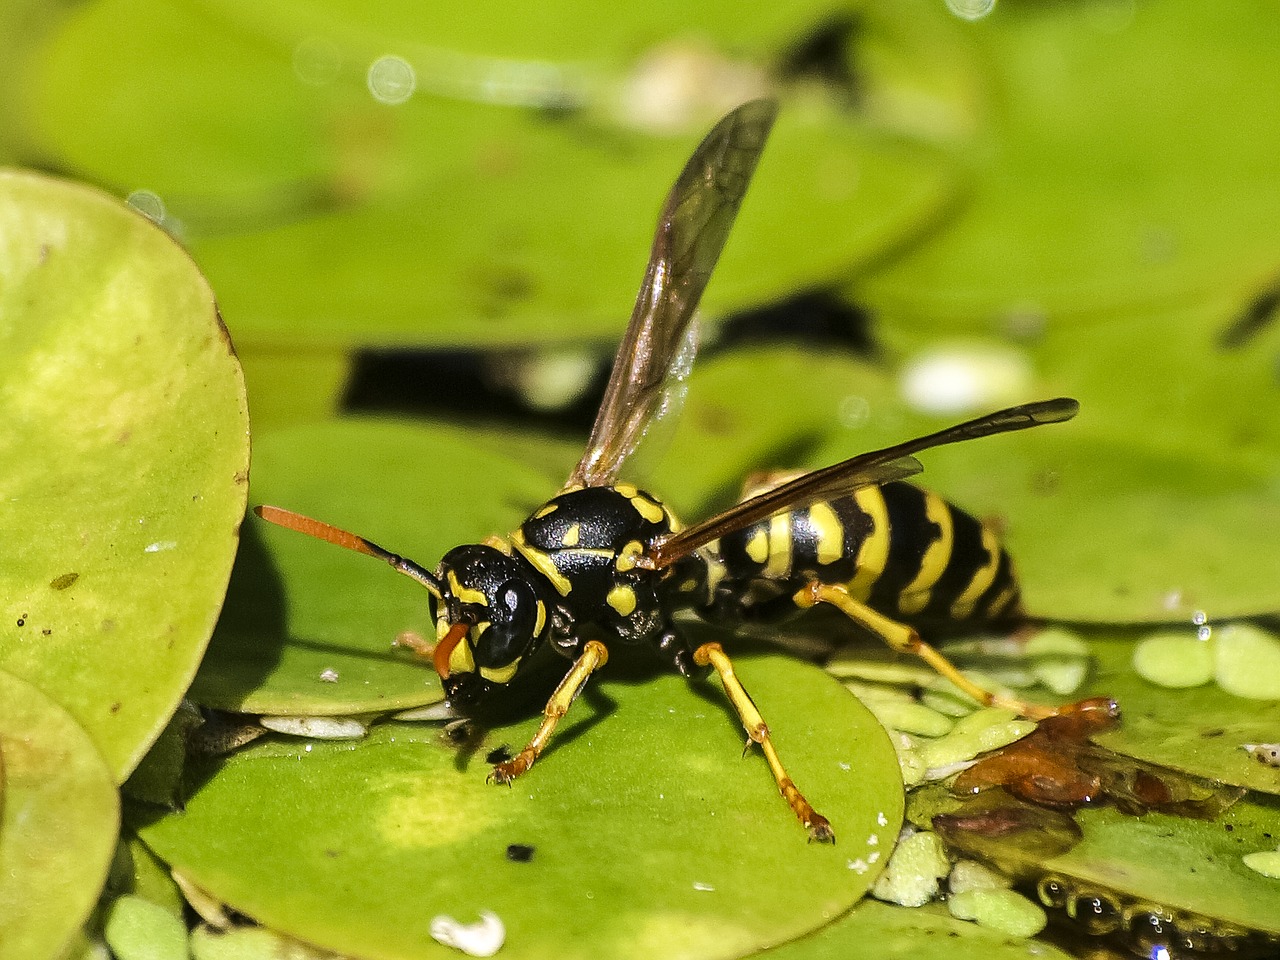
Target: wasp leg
594, 656
416, 643
905, 639
712, 653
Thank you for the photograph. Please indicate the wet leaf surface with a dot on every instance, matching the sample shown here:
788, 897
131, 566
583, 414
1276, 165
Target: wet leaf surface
874, 930
649, 830
124, 443
58, 823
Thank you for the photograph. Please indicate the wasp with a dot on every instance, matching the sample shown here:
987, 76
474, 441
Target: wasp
606, 558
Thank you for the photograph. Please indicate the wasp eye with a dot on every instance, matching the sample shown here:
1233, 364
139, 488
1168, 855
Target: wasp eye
513, 612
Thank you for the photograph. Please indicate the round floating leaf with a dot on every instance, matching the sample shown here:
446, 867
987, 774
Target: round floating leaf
308, 628
583, 34
124, 444
490, 247
878, 931
651, 833
1129, 166
218, 128
58, 823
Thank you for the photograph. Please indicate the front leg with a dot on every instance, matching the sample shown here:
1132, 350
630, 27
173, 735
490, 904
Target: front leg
594, 656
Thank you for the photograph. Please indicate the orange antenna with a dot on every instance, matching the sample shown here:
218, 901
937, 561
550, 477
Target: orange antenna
323, 531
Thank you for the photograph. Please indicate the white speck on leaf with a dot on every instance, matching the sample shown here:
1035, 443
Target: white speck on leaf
482, 939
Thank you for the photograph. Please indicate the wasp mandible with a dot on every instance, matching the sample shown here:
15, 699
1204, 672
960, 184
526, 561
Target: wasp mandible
605, 558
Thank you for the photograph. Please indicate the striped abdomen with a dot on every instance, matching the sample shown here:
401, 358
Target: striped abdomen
903, 551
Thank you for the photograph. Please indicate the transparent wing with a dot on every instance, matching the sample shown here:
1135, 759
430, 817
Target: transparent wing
692, 230
878, 466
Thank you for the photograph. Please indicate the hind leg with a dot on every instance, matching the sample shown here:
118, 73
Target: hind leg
905, 639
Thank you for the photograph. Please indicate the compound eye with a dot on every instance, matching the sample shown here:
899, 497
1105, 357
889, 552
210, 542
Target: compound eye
513, 613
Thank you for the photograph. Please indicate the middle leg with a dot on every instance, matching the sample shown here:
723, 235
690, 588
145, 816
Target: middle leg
713, 654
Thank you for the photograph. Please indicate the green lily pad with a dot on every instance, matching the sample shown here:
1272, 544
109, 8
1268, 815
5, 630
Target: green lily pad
1199, 730
488, 249
58, 823
251, 943
291, 387
878, 931
1170, 476
112, 67
297, 607
650, 832
582, 34
124, 439
1124, 169
324, 217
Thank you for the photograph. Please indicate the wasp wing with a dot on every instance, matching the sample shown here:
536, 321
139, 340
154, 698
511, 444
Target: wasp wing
878, 466
691, 232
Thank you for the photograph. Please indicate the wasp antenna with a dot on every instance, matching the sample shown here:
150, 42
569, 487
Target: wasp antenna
342, 538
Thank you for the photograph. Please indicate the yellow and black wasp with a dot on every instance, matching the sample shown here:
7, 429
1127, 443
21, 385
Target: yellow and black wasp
605, 558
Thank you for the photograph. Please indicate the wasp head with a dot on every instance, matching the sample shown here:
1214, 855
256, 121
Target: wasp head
489, 621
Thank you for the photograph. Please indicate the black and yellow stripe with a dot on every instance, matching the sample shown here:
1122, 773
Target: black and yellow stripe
897, 548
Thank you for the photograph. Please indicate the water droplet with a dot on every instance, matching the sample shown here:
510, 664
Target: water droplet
971, 9
391, 79
148, 204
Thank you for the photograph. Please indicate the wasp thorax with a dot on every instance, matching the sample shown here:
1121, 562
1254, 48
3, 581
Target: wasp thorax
489, 594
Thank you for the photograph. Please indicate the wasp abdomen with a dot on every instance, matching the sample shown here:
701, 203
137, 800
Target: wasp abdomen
903, 551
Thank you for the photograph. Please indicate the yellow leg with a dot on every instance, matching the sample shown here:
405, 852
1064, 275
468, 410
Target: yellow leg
905, 639
712, 653
594, 656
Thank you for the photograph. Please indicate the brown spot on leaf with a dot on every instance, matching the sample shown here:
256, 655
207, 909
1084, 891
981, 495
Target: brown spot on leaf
64, 581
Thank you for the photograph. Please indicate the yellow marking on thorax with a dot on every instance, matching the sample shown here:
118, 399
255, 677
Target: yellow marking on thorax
649, 509
623, 599
983, 577
915, 595
758, 546
571, 536
546, 511
543, 564
873, 554
541, 620
828, 532
627, 556
501, 674
779, 564
466, 594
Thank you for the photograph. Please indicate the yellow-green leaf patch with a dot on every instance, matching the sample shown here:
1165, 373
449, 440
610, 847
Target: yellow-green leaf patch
58, 823
123, 459
650, 832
